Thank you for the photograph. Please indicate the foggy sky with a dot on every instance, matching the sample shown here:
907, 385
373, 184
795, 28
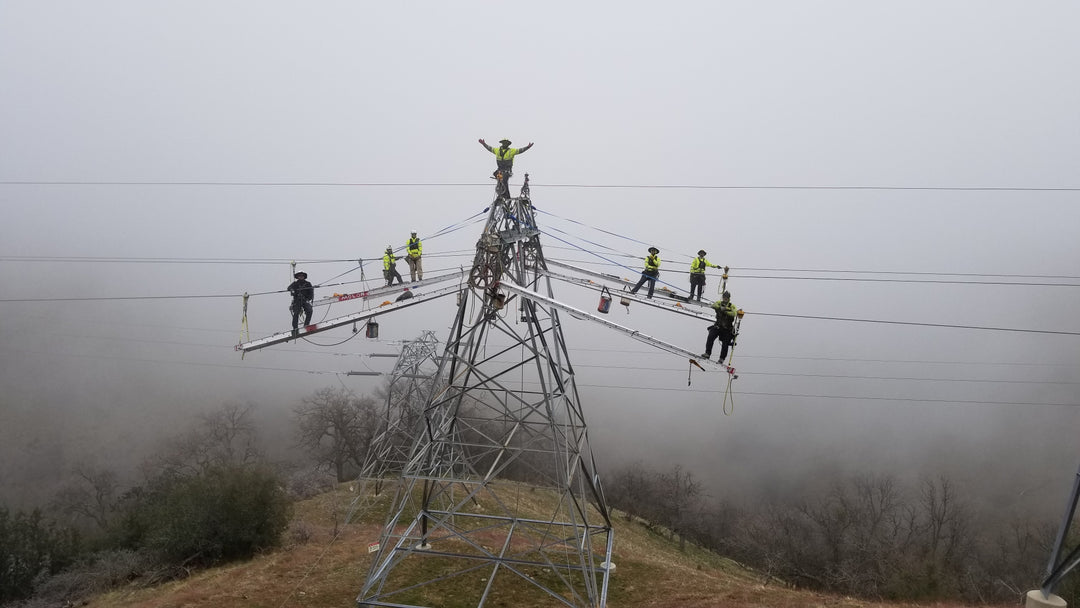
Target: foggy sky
776, 94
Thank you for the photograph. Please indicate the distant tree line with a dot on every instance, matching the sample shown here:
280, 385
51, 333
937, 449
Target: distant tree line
209, 496
206, 497
865, 536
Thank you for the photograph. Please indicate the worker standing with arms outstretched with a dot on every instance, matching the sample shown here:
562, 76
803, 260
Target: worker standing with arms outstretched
504, 160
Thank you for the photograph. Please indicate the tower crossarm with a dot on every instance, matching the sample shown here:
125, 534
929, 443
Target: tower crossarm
315, 328
379, 292
624, 282
673, 306
577, 313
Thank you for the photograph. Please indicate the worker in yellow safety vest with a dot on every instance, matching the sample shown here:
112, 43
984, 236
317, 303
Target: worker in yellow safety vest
414, 249
651, 272
504, 161
389, 267
697, 273
723, 328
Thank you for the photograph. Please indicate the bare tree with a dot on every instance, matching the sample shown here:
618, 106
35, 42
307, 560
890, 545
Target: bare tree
679, 502
632, 489
92, 495
946, 523
335, 427
224, 437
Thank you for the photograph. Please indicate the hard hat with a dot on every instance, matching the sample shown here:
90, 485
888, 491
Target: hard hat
389, 247
701, 252
654, 250
300, 275
504, 141
727, 294
413, 232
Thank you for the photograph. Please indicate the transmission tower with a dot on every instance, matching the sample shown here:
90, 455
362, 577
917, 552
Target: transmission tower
499, 496
410, 385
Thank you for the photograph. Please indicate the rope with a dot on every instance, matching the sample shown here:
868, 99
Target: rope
245, 334
729, 396
623, 266
615, 234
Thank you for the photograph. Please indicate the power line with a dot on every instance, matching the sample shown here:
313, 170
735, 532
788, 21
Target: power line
906, 399
151, 260
810, 396
732, 275
136, 260
645, 368
144, 360
542, 185
575, 349
119, 298
468, 252
604, 386
918, 324
748, 373
909, 272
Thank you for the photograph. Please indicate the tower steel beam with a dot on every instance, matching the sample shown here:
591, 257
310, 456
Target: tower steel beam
384, 291
702, 312
409, 386
468, 519
315, 328
577, 313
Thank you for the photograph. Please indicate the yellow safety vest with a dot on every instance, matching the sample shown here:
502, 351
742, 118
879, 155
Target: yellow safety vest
698, 265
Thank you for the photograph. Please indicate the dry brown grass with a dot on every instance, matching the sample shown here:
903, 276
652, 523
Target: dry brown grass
650, 572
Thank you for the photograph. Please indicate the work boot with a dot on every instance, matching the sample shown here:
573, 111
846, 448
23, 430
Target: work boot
295, 332
705, 356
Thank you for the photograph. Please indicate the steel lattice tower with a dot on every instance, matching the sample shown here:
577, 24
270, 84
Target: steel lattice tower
411, 383
500, 495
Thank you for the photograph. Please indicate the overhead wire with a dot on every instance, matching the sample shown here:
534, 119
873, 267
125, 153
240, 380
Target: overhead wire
919, 324
861, 279
826, 187
613, 252
583, 385
748, 373
569, 348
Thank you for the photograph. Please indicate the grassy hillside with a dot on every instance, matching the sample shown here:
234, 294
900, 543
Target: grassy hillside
324, 562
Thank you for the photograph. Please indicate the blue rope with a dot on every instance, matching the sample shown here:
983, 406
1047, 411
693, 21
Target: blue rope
638, 272
615, 234
443, 232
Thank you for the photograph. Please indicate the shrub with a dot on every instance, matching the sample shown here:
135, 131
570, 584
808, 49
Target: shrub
96, 573
31, 547
308, 483
222, 514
